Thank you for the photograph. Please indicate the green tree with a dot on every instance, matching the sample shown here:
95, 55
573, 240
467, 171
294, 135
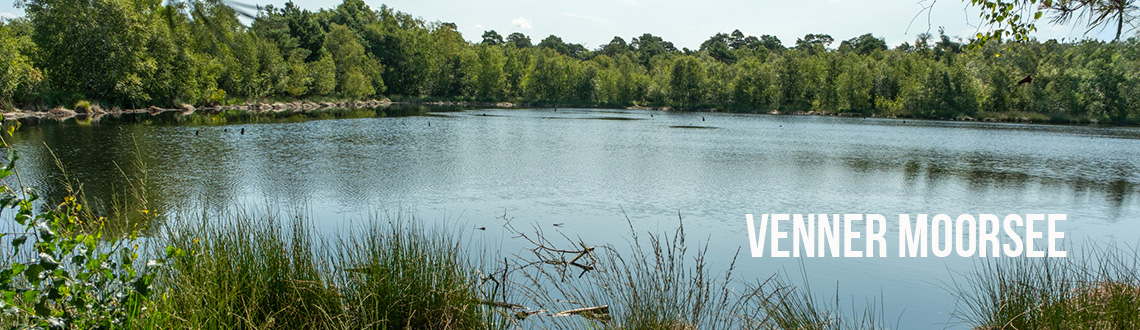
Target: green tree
18, 77
518, 40
863, 45
814, 43
755, 87
322, 73
717, 47
649, 46
855, 85
771, 43
616, 46
96, 48
492, 38
687, 81
357, 74
490, 78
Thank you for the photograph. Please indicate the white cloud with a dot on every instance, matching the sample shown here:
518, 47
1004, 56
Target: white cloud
7, 15
522, 23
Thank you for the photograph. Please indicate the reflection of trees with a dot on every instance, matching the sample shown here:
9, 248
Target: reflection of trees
98, 163
1120, 188
987, 173
982, 172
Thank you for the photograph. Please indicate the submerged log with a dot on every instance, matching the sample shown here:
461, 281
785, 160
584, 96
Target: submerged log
598, 313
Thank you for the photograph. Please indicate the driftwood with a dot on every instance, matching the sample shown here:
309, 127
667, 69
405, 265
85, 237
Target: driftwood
599, 313
522, 315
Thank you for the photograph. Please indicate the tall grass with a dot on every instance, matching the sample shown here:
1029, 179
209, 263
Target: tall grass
800, 307
654, 283
401, 275
1098, 289
249, 271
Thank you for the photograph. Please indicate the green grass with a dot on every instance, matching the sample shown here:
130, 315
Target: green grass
1097, 289
655, 282
249, 271
792, 307
399, 275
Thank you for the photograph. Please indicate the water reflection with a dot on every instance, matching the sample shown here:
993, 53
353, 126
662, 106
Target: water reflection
443, 164
286, 155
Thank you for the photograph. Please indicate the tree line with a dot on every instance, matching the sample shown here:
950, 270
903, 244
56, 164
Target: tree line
135, 53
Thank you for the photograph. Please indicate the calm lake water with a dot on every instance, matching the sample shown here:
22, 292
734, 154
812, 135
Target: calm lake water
590, 169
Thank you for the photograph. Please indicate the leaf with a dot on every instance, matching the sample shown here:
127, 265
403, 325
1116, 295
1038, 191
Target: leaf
42, 309
54, 294
33, 273
17, 268
142, 286
12, 157
19, 241
31, 295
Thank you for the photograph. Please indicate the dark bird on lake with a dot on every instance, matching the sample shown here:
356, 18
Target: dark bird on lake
481, 228
560, 224
226, 130
195, 132
1026, 80
429, 124
243, 131
702, 118
651, 115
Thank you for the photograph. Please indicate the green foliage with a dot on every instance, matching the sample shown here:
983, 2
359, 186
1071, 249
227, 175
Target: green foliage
62, 273
18, 77
248, 271
687, 82
94, 46
166, 55
1094, 289
355, 70
403, 276
244, 272
863, 45
518, 40
323, 75
83, 106
492, 38
1009, 19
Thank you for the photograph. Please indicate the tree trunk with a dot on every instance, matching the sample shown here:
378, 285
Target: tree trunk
1119, 22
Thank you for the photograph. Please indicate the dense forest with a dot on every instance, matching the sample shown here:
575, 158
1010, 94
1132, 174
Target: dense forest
136, 53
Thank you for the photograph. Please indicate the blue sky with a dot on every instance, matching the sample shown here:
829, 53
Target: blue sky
687, 23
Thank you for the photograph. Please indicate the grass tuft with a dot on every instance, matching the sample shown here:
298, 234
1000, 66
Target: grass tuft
1098, 289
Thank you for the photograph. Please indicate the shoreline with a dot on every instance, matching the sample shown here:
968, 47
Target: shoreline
96, 112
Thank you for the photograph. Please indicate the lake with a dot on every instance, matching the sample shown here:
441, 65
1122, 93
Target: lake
588, 170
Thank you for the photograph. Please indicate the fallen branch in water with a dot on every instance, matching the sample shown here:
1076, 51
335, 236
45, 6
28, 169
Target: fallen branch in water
599, 313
